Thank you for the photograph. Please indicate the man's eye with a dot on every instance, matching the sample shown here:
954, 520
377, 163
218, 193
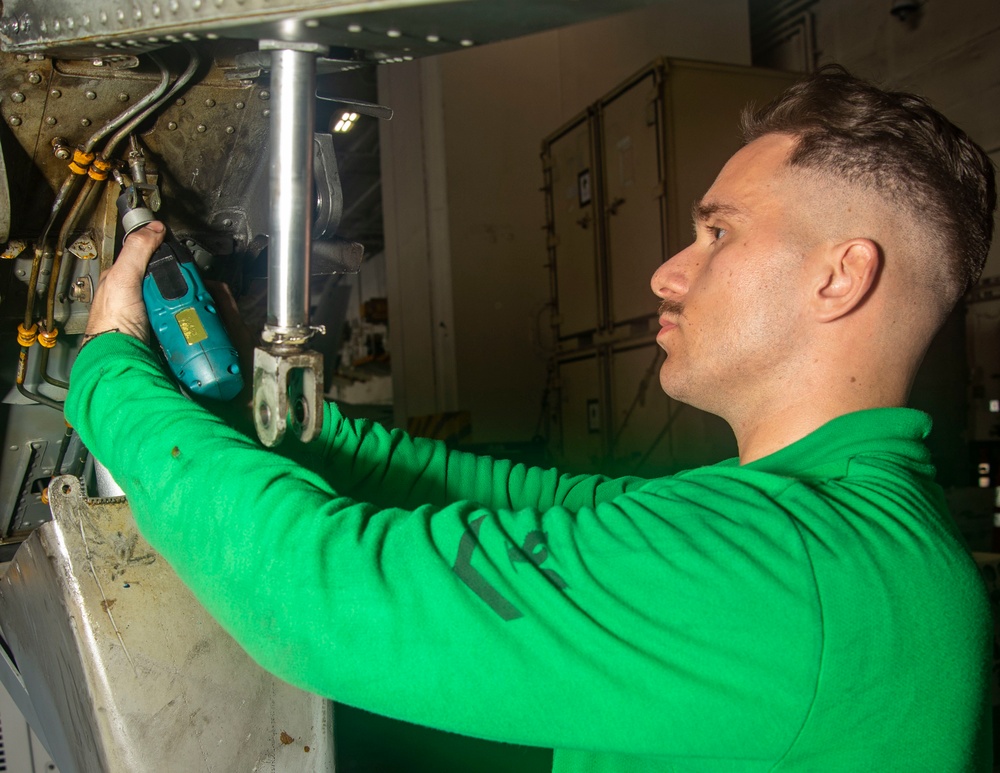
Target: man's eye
715, 232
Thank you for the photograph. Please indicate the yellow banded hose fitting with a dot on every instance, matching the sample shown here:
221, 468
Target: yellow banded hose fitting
47, 338
81, 161
99, 169
27, 337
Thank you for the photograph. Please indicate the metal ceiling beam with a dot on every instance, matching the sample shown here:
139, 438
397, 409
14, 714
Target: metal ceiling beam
385, 30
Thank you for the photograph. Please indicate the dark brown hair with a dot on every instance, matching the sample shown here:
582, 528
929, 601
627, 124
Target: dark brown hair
897, 145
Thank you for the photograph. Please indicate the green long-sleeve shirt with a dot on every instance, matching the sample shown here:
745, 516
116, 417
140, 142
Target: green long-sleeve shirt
811, 611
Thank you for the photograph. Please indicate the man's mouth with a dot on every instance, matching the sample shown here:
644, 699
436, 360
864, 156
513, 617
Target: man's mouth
669, 311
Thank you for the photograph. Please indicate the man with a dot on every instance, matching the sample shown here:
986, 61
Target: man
805, 607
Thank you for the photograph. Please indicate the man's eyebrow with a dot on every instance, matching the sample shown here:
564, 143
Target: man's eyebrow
705, 210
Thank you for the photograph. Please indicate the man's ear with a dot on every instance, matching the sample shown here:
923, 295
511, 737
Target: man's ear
848, 272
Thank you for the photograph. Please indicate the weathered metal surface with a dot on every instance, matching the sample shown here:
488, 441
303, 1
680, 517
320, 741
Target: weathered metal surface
206, 144
388, 29
125, 671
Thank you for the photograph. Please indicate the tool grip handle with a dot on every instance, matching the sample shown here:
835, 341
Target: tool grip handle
185, 321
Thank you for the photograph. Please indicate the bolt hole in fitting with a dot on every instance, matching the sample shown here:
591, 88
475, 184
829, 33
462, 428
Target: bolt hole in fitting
265, 414
300, 410
66, 488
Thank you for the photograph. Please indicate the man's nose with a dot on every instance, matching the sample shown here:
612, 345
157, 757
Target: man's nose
671, 279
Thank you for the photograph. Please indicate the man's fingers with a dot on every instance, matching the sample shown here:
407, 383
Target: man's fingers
117, 304
140, 245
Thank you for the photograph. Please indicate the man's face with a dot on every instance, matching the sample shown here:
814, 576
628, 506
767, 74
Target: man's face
730, 310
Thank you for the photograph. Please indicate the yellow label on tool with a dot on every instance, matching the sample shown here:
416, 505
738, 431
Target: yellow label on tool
191, 327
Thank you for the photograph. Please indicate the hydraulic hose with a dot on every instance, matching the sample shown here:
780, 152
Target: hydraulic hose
43, 366
69, 187
126, 122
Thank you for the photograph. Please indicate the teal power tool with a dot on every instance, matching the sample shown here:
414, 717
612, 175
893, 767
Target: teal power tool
181, 311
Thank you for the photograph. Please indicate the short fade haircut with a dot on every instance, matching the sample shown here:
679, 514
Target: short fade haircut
897, 145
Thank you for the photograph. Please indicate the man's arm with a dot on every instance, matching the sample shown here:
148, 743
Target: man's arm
609, 627
365, 460
361, 458
636, 626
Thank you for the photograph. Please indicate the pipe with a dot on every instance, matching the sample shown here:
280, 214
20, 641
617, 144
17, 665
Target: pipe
179, 84
68, 189
22, 370
72, 182
127, 122
82, 203
135, 109
129, 118
293, 84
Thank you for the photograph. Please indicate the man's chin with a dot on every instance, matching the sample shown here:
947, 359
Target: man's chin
672, 386
681, 389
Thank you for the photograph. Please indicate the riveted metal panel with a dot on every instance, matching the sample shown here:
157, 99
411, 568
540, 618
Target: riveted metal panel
389, 29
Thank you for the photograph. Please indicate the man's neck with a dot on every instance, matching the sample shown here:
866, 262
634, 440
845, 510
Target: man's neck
768, 432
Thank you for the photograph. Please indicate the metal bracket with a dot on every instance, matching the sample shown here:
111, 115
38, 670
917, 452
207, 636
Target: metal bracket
287, 388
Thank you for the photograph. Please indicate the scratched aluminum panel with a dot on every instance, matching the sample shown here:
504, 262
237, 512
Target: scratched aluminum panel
126, 672
386, 28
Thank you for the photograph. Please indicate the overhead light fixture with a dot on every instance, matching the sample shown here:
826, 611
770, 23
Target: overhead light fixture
346, 122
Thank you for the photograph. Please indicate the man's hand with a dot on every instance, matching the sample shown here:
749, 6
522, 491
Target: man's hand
118, 301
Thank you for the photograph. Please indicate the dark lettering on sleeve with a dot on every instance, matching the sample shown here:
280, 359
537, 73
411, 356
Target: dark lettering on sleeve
477, 583
535, 551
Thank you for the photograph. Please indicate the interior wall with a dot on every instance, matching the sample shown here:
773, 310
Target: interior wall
462, 179
949, 53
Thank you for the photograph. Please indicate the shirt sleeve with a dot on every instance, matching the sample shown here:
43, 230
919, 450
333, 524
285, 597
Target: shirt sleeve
652, 623
365, 460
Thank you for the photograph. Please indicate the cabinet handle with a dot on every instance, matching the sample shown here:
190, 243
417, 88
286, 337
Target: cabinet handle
613, 206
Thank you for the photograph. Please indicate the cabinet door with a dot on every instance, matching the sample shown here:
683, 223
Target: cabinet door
581, 414
641, 413
632, 197
704, 103
574, 228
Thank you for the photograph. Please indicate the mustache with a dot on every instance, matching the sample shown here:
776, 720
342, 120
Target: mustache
668, 306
